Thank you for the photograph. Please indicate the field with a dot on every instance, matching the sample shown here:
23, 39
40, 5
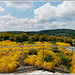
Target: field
10, 60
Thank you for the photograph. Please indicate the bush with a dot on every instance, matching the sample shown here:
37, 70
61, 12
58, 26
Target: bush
42, 41
43, 38
31, 42
54, 42
55, 50
34, 37
30, 60
49, 58
65, 60
33, 52
25, 55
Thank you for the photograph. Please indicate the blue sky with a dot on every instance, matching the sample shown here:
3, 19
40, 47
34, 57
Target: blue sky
35, 16
29, 12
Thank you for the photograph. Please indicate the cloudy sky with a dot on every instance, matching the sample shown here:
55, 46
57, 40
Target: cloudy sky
35, 16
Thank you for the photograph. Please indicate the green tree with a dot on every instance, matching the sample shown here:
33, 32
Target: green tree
24, 37
60, 39
43, 38
52, 38
12, 37
34, 37
18, 38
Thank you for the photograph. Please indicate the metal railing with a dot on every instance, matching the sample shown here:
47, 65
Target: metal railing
43, 48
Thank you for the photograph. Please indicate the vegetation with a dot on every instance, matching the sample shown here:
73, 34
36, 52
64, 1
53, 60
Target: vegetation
73, 68
56, 32
10, 60
23, 37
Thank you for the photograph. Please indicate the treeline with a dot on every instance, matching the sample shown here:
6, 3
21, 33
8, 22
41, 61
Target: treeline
57, 32
35, 37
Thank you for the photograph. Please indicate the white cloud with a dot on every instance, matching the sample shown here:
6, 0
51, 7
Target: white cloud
45, 17
7, 17
1, 9
10, 23
19, 5
45, 13
49, 13
71, 25
52, 25
66, 10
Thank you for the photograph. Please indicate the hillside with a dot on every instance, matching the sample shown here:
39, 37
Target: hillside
57, 32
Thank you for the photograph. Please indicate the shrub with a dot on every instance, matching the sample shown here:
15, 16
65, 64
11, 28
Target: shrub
48, 58
30, 42
55, 50
33, 52
25, 55
64, 59
66, 62
30, 60
43, 38
42, 41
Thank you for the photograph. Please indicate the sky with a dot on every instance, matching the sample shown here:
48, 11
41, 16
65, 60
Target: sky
36, 16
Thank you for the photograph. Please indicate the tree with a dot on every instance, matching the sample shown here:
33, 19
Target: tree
52, 38
60, 39
12, 37
43, 38
34, 37
18, 38
69, 40
24, 37
6, 36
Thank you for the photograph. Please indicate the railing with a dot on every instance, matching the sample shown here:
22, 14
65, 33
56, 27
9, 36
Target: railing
43, 48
